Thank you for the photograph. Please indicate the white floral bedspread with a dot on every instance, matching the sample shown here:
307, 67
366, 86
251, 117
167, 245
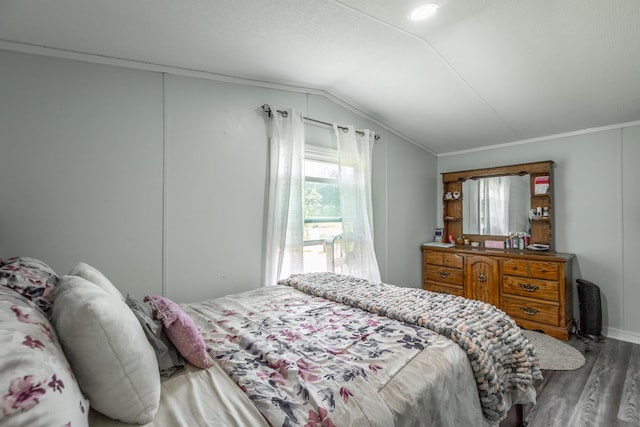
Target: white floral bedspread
309, 361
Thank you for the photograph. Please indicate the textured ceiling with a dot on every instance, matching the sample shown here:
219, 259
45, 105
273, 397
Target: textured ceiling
479, 73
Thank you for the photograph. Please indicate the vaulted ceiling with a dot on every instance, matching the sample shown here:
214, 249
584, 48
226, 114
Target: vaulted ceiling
478, 73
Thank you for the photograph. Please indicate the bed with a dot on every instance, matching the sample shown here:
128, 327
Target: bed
325, 349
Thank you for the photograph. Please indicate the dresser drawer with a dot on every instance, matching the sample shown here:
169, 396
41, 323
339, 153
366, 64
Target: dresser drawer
520, 308
453, 260
515, 267
439, 287
536, 269
437, 273
532, 288
444, 258
543, 270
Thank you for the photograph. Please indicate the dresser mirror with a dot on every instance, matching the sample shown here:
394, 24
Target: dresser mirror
495, 201
496, 205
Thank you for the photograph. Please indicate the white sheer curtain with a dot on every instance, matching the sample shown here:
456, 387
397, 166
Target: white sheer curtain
285, 218
494, 205
354, 157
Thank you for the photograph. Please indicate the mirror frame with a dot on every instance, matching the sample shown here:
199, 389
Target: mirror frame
541, 229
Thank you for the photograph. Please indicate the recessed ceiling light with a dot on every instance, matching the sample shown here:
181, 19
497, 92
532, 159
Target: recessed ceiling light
424, 10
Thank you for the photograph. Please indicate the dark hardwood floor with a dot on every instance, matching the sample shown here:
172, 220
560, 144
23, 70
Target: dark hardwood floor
605, 392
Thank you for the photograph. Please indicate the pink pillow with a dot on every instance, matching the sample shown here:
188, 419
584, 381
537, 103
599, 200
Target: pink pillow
181, 330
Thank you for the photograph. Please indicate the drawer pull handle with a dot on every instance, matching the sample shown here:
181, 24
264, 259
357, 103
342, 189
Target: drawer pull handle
443, 274
542, 270
530, 311
529, 287
482, 277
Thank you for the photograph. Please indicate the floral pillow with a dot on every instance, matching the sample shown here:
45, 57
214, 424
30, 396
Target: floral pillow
30, 277
181, 330
37, 386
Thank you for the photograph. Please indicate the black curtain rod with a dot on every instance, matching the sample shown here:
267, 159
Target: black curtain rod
267, 109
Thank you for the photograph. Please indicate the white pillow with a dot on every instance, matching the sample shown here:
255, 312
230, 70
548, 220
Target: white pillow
108, 351
94, 276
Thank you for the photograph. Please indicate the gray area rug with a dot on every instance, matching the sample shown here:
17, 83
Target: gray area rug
554, 354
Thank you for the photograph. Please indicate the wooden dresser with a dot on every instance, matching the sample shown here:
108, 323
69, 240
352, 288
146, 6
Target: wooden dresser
534, 288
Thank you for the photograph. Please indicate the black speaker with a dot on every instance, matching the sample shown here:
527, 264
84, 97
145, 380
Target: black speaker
590, 325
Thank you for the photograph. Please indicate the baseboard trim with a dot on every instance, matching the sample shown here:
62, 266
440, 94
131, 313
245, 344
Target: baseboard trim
621, 335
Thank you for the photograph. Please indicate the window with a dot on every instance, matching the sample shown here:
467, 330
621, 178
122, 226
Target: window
322, 214
338, 180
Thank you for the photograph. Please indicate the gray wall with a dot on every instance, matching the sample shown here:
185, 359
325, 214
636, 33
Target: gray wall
597, 211
81, 167
159, 180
